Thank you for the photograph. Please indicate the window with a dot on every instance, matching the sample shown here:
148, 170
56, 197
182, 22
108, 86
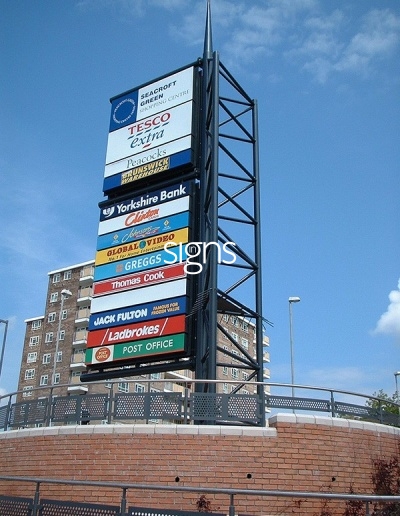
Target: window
56, 277
225, 388
64, 315
34, 341
57, 378
46, 358
225, 371
61, 335
32, 357
245, 376
51, 317
27, 391
155, 376
59, 356
235, 336
245, 343
49, 337
44, 379
29, 374
225, 317
53, 297
139, 387
123, 387
235, 321
36, 325
235, 373
67, 275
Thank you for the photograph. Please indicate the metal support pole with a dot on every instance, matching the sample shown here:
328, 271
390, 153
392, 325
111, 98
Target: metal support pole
231, 505
123, 502
36, 501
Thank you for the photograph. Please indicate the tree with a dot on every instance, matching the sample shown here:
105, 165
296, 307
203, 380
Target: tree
385, 402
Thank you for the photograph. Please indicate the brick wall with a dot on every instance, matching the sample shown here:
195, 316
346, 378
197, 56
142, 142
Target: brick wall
299, 453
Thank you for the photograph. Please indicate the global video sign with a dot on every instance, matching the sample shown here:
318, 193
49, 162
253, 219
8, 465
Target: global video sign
151, 130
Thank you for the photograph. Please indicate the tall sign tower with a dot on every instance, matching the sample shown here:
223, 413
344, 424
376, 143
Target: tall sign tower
179, 242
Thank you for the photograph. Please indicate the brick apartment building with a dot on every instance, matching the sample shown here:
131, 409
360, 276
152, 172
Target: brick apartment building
43, 354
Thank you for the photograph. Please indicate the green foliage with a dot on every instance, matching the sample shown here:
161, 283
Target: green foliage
386, 402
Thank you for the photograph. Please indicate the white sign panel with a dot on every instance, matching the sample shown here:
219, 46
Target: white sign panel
144, 215
151, 99
150, 133
142, 295
147, 157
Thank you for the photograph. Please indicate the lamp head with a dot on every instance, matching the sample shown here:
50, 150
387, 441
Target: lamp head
294, 299
66, 293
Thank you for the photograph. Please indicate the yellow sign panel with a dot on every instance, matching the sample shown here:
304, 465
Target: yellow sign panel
146, 245
146, 170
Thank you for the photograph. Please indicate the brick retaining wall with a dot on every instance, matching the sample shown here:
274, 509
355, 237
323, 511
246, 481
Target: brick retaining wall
295, 453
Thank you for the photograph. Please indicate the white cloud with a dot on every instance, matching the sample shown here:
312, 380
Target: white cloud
389, 322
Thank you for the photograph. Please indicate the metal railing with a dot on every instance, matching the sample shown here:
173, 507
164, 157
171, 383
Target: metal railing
182, 404
35, 506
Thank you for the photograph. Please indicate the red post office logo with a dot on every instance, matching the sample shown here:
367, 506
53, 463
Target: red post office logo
102, 354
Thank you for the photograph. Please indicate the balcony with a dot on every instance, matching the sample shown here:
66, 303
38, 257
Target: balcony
85, 295
87, 276
76, 386
82, 317
80, 338
78, 362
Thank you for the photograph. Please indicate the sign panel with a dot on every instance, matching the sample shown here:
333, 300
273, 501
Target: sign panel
136, 349
152, 98
148, 229
140, 279
171, 162
144, 215
145, 201
148, 158
144, 246
144, 295
141, 263
137, 331
150, 132
136, 313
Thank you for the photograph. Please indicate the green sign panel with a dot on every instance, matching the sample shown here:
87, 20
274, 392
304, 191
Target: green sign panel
136, 349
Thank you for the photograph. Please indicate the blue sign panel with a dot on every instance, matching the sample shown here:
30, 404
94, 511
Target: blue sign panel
151, 228
140, 263
149, 169
138, 313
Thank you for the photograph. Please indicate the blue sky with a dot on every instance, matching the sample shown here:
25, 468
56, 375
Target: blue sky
327, 79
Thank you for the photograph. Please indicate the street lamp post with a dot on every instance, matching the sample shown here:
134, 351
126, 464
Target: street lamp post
65, 294
5, 322
396, 374
291, 301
